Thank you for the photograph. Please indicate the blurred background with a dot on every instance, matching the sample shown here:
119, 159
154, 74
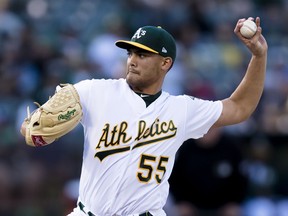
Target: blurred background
238, 170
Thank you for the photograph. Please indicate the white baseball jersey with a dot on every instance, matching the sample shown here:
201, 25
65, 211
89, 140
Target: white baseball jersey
129, 149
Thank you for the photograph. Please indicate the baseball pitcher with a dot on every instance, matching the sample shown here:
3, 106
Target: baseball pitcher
133, 129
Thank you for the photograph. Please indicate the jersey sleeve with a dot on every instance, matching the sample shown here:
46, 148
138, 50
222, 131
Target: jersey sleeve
83, 89
92, 92
201, 115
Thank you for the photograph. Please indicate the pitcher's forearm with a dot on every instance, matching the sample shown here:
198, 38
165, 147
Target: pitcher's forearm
249, 91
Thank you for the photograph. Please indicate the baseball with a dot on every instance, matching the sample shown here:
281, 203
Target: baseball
248, 29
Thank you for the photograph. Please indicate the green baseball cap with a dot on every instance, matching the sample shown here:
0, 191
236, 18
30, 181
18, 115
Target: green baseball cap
153, 39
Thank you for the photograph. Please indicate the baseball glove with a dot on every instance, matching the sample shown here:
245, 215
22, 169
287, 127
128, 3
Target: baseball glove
58, 116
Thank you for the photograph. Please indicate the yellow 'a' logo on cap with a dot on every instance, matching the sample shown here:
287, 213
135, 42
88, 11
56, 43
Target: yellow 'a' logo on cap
139, 33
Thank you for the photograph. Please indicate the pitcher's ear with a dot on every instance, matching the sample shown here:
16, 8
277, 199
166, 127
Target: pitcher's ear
167, 63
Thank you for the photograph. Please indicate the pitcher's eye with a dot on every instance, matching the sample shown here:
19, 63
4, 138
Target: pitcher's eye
141, 55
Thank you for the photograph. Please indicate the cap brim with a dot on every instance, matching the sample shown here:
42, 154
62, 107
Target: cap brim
128, 44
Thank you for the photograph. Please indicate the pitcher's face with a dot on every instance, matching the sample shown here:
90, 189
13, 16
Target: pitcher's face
144, 69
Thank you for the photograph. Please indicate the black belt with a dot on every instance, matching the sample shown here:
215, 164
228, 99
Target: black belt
81, 206
146, 214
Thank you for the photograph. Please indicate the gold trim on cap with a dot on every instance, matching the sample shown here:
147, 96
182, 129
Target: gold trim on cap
119, 42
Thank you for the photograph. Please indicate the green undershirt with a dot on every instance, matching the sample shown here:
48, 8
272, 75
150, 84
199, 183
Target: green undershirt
149, 98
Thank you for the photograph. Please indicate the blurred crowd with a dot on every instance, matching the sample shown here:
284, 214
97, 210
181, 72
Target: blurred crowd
45, 42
